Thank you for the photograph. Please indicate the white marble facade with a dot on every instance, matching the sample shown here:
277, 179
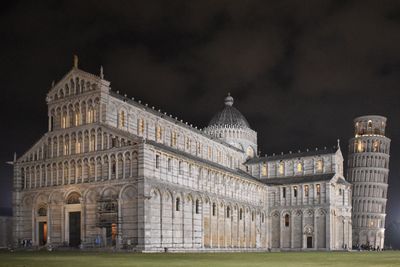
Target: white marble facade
112, 171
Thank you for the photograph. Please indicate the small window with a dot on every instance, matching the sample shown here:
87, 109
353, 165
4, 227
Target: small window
113, 168
264, 169
252, 216
122, 120
42, 211
318, 189
158, 133
214, 208
157, 161
180, 167
178, 204
240, 214
281, 168
295, 191
228, 212
287, 218
197, 209
141, 127
284, 192
299, 167
262, 218
306, 190
169, 167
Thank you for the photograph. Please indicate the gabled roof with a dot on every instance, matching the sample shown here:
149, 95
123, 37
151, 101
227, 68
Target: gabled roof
298, 180
327, 151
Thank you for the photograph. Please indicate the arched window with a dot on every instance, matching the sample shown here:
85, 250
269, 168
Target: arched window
157, 161
295, 191
214, 207
169, 165
90, 115
158, 133
299, 167
140, 127
250, 152
264, 169
240, 214
262, 218
178, 204
121, 119
287, 218
180, 167
318, 189
306, 190
73, 198
320, 165
281, 168
197, 209
173, 138
78, 146
42, 211
77, 118
252, 216
228, 212
64, 121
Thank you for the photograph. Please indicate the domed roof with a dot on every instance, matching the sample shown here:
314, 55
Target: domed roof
229, 116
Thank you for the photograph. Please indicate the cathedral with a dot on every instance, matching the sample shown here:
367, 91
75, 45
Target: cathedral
114, 172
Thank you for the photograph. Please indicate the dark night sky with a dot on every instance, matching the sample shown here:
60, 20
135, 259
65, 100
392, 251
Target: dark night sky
300, 71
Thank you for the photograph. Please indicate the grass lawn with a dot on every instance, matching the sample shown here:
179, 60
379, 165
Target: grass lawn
109, 259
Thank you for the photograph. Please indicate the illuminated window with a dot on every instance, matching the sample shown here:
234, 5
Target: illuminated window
318, 189
90, 115
78, 146
375, 146
320, 165
295, 191
360, 146
77, 118
66, 149
250, 152
287, 218
64, 121
121, 119
158, 133
299, 167
264, 169
173, 138
281, 168
140, 127
92, 144
306, 190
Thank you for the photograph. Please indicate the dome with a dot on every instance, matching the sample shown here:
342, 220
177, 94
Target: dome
229, 116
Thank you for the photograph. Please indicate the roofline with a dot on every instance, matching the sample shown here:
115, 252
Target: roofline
366, 117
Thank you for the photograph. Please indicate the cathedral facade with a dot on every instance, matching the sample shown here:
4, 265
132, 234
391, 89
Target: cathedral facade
111, 171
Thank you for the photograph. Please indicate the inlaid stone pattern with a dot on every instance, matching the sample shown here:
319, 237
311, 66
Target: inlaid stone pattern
114, 172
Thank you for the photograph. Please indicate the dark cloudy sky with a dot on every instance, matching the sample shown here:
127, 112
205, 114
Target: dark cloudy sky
300, 71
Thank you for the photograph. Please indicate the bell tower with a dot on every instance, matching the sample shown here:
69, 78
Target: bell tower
368, 170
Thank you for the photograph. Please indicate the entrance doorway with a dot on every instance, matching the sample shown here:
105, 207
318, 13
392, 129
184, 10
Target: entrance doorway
74, 229
309, 242
42, 233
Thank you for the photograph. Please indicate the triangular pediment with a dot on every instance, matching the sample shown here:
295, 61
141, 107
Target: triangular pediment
76, 79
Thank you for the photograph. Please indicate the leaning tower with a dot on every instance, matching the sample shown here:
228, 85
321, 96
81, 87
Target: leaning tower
368, 170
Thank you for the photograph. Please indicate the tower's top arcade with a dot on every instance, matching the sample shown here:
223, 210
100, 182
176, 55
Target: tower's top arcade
370, 125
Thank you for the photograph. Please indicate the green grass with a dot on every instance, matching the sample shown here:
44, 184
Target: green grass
288, 259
